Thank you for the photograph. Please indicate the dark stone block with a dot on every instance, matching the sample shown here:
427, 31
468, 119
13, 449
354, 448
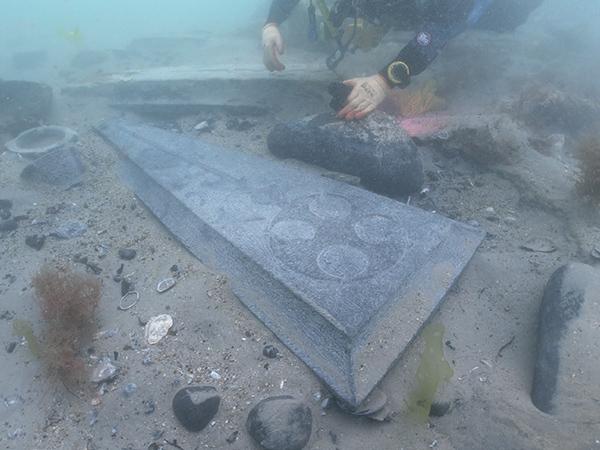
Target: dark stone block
9, 225
375, 149
25, 105
196, 406
280, 423
568, 358
35, 241
89, 58
335, 271
29, 60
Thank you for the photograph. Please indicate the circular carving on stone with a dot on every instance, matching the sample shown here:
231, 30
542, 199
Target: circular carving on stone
343, 261
329, 206
323, 237
289, 230
375, 229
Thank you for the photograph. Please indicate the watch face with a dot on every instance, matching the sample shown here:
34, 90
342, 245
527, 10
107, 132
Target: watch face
398, 72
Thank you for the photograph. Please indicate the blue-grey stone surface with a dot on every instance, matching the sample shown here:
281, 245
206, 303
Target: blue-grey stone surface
375, 149
344, 277
567, 366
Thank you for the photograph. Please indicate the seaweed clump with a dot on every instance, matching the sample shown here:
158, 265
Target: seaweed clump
588, 155
432, 372
413, 102
68, 302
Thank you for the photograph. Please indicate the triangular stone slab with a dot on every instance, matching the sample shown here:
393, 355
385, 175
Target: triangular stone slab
344, 277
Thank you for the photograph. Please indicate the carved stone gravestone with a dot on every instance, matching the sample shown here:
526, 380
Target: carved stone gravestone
344, 277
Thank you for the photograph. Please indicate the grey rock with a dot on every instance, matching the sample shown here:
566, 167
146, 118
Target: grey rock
196, 406
6, 204
539, 245
568, 353
127, 254
129, 389
35, 241
25, 104
375, 149
280, 423
499, 145
70, 230
61, 167
270, 351
327, 266
552, 109
104, 371
483, 139
9, 225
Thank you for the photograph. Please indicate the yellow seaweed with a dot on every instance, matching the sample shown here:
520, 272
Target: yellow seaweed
75, 36
433, 370
24, 328
418, 101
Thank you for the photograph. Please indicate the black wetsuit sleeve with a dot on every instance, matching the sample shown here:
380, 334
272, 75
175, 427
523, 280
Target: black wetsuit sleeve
281, 10
425, 46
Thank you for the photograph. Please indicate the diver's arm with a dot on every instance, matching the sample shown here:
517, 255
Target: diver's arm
420, 52
281, 10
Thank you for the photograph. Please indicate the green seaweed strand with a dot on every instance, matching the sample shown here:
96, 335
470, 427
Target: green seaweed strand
433, 370
24, 328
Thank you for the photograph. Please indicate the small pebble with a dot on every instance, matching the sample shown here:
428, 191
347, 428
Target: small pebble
270, 351
35, 241
127, 254
129, 389
11, 347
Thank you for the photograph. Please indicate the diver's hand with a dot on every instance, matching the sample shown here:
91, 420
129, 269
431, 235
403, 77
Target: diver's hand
273, 47
367, 94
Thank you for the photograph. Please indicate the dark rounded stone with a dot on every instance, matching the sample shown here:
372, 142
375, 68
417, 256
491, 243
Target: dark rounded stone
195, 406
127, 254
35, 241
270, 351
280, 423
568, 354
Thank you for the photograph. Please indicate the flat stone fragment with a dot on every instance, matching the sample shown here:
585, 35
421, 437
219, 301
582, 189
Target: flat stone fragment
338, 273
157, 328
376, 149
567, 366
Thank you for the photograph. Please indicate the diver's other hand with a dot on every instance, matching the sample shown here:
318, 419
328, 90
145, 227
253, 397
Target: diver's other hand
367, 94
273, 47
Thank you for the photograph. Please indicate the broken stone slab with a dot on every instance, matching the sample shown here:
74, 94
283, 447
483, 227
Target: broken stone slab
178, 109
24, 104
375, 149
344, 277
498, 144
568, 355
218, 85
37, 141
